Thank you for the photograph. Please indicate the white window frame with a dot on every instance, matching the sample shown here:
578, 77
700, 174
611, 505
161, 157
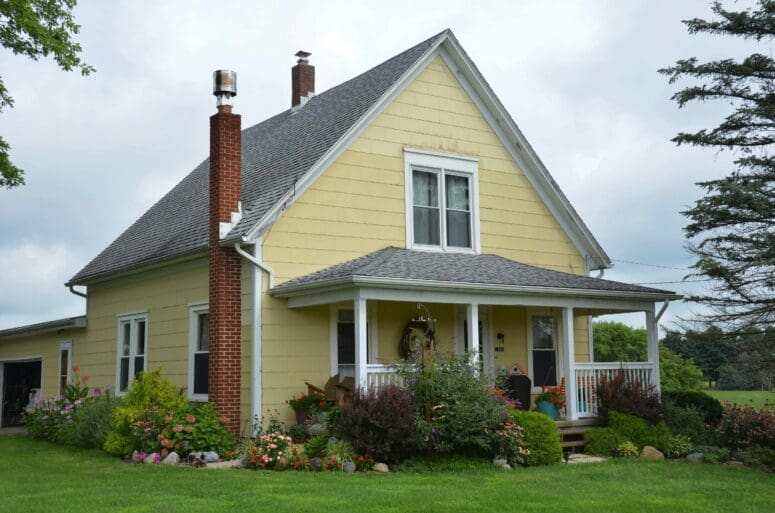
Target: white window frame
371, 314
442, 165
65, 345
194, 311
133, 318
558, 359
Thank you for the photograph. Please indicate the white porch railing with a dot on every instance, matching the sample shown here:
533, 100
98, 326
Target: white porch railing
588, 377
378, 375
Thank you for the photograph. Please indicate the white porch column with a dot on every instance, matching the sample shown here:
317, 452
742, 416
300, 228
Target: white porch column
652, 336
472, 325
361, 379
569, 348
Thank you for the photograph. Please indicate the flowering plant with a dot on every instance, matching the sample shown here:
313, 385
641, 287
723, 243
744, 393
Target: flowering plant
363, 462
311, 401
76, 388
552, 395
269, 452
508, 442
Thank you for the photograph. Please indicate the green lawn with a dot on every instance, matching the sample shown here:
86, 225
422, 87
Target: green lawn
36, 476
755, 398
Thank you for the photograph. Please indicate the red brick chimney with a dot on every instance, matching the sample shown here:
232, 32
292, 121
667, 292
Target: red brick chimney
302, 79
224, 373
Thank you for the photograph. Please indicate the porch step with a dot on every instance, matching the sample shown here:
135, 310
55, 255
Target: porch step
573, 432
573, 444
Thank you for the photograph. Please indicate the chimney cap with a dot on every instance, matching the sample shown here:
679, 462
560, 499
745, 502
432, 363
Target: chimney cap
224, 86
303, 56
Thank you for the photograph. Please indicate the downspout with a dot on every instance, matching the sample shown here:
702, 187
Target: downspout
255, 339
72, 290
600, 272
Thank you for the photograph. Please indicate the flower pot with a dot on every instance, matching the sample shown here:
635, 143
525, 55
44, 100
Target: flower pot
548, 409
301, 415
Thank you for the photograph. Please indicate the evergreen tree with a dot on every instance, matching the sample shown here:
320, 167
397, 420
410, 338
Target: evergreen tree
731, 229
35, 29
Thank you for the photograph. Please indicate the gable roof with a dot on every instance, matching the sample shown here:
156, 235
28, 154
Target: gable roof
281, 154
69, 323
416, 268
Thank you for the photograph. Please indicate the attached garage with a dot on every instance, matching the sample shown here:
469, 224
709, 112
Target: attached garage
35, 363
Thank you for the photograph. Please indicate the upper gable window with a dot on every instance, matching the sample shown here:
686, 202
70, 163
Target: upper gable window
441, 202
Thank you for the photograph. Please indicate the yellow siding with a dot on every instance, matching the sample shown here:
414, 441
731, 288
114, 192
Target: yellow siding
44, 347
357, 206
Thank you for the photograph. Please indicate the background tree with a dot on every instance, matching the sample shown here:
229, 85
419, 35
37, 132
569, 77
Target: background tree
35, 29
731, 228
617, 342
709, 349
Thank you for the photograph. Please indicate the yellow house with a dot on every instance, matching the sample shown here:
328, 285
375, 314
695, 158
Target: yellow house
308, 246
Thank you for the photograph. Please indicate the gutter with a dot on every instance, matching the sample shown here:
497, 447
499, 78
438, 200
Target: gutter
73, 291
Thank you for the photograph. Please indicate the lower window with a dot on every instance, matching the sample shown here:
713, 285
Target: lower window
200, 353
132, 341
544, 351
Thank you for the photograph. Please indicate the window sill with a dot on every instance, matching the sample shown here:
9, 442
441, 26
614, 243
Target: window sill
198, 398
439, 249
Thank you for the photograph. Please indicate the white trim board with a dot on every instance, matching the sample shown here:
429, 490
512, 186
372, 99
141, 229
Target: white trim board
499, 119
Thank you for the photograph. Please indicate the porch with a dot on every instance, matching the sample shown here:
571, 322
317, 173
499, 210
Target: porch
511, 324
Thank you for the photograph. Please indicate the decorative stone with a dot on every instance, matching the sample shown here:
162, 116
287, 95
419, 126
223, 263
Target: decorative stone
171, 459
736, 464
134, 455
651, 453
210, 457
333, 440
197, 462
348, 466
315, 464
696, 457
502, 463
152, 458
380, 467
317, 429
238, 463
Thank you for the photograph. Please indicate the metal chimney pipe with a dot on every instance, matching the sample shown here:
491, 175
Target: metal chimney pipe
224, 86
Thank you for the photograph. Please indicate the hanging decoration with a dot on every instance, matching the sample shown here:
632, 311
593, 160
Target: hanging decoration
419, 335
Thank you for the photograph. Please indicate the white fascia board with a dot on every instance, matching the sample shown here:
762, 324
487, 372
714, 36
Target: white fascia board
268, 219
513, 139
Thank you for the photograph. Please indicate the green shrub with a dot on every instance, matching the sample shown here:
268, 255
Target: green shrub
712, 453
541, 438
603, 441
456, 410
690, 421
94, 421
710, 407
316, 446
626, 450
758, 456
52, 420
639, 432
679, 446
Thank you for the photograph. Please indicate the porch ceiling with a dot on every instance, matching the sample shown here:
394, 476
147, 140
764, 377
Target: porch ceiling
395, 274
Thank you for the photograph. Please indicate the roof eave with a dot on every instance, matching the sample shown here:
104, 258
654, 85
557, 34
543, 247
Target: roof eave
42, 328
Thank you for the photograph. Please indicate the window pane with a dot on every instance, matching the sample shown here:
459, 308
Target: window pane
458, 229
139, 362
200, 373
426, 226
125, 338
457, 192
544, 369
425, 189
203, 342
543, 332
140, 337
123, 380
64, 361
345, 343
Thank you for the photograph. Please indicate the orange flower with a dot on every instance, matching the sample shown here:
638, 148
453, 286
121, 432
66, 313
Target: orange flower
85, 379
190, 419
177, 428
76, 368
322, 404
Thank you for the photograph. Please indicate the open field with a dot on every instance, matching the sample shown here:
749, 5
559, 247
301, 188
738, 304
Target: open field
755, 398
40, 477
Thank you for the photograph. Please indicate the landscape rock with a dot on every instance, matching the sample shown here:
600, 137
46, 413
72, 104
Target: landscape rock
696, 457
238, 463
502, 463
380, 467
651, 453
348, 466
197, 462
733, 463
152, 458
317, 429
315, 464
210, 457
171, 459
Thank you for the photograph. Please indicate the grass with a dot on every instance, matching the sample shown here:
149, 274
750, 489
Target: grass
37, 476
756, 398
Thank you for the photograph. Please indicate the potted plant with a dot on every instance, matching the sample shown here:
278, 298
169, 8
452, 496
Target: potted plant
298, 433
306, 404
550, 402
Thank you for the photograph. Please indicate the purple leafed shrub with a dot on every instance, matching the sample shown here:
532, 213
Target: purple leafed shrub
630, 396
741, 428
380, 422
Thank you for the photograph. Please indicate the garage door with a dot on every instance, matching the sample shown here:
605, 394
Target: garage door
19, 380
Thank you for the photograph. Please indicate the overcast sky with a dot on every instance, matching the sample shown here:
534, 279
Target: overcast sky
579, 78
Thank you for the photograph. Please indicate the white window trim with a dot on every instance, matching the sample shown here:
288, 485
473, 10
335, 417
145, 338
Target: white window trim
556, 336
65, 345
371, 309
129, 317
442, 164
194, 311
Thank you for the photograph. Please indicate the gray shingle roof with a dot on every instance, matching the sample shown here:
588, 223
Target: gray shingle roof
404, 264
44, 327
275, 154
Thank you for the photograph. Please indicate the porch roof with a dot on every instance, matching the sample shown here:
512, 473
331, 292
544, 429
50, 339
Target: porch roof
400, 268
